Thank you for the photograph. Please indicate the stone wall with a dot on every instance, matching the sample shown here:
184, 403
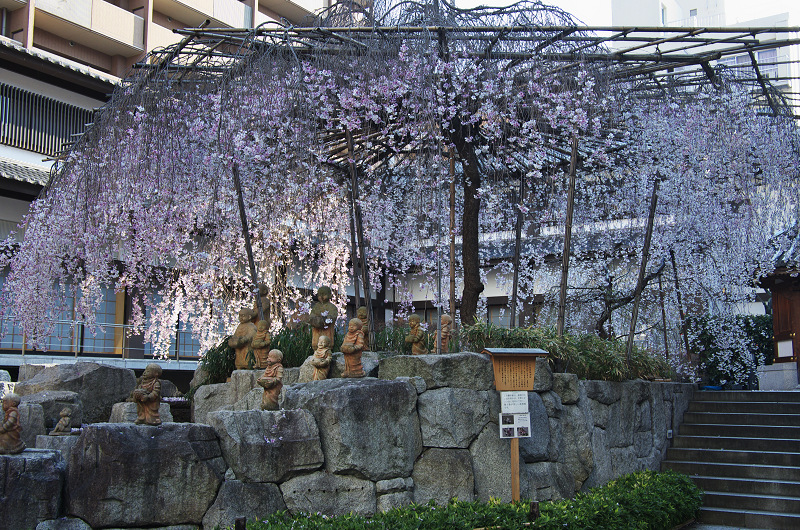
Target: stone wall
425, 428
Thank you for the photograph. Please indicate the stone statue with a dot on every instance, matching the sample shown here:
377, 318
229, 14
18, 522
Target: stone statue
147, 396
260, 344
64, 425
263, 294
323, 315
10, 440
241, 339
321, 360
352, 347
362, 315
416, 336
445, 331
272, 380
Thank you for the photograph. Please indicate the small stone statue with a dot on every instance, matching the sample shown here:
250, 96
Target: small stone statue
352, 347
64, 425
272, 380
416, 336
260, 344
10, 440
323, 315
147, 396
242, 337
362, 315
321, 360
445, 331
263, 293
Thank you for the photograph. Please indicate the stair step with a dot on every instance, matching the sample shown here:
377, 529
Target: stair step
750, 519
748, 395
739, 418
734, 431
770, 503
747, 486
765, 458
737, 443
786, 473
752, 407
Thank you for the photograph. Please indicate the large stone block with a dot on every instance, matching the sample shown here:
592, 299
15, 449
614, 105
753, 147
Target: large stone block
64, 523
31, 419
457, 370
452, 417
31, 483
99, 386
63, 444
543, 382
329, 494
368, 427
535, 448
441, 474
28, 371
6, 388
491, 465
547, 481
5, 377
238, 499
121, 474
576, 450
243, 381
125, 412
53, 401
268, 446
566, 386
370, 360
209, 398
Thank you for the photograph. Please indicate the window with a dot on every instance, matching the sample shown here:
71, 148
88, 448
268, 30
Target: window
767, 60
663, 15
101, 338
499, 315
693, 12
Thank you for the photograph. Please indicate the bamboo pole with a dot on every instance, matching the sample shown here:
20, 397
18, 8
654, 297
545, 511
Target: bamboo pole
642, 268
248, 247
562, 299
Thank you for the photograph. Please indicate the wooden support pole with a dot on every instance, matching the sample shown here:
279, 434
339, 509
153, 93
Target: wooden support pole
663, 315
517, 250
248, 247
681, 312
562, 299
453, 236
642, 269
515, 469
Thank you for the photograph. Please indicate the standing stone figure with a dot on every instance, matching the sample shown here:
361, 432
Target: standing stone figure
352, 347
321, 360
147, 396
416, 336
323, 315
272, 380
260, 344
242, 337
445, 331
362, 315
64, 425
10, 440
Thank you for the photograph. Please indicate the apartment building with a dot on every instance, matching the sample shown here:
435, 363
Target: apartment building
59, 61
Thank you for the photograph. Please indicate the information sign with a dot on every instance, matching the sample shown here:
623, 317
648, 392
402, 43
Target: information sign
514, 402
515, 425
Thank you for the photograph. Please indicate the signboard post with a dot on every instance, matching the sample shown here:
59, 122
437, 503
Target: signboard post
514, 371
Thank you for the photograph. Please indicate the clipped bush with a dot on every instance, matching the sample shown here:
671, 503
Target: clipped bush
645, 500
586, 355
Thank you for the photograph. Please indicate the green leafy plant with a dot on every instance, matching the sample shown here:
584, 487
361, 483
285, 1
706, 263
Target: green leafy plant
295, 343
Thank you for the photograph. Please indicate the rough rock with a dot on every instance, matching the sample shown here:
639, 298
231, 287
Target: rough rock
121, 474
394, 485
566, 386
170, 527
99, 386
31, 419
30, 489
368, 427
6, 388
28, 371
543, 380
416, 381
491, 465
291, 376
209, 398
199, 378
452, 417
390, 501
125, 412
370, 360
53, 401
238, 499
547, 481
307, 371
441, 474
576, 444
605, 392
535, 448
63, 444
64, 523
242, 382
169, 389
456, 370
251, 401
268, 446
329, 494
5, 377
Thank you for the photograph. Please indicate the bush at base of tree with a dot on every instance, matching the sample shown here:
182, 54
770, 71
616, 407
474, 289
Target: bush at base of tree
645, 500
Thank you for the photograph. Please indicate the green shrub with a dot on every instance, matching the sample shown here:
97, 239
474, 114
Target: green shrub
641, 500
586, 355
296, 344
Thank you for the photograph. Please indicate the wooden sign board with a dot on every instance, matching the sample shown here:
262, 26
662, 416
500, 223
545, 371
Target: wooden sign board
514, 368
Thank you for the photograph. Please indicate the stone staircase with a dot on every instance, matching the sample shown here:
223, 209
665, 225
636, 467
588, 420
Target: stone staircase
743, 449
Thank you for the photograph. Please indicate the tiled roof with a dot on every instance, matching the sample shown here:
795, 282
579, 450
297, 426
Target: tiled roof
22, 172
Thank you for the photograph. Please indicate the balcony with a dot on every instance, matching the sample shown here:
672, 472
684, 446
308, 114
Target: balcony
222, 13
292, 10
161, 37
93, 23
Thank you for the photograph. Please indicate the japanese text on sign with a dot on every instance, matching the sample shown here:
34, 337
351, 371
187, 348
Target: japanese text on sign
515, 425
514, 402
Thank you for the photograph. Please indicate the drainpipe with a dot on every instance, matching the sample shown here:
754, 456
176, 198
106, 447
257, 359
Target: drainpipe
4, 22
